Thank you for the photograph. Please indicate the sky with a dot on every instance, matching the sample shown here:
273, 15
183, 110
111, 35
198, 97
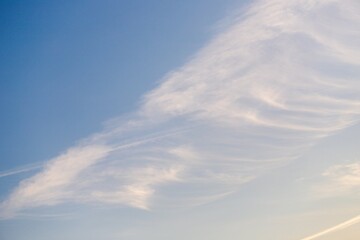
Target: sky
200, 119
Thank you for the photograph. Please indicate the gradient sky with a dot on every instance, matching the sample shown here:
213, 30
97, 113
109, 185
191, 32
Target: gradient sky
206, 119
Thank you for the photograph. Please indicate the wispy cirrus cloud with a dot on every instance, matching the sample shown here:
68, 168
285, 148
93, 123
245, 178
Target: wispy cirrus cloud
279, 78
339, 180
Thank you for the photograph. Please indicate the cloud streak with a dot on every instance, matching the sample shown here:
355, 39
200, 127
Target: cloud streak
336, 228
278, 79
22, 169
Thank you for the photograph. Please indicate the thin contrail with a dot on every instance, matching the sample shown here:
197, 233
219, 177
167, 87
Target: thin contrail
338, 227
32, 167
150, 138
26, 168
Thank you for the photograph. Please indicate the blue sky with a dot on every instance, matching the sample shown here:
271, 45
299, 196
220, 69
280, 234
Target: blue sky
75, 64
180, 119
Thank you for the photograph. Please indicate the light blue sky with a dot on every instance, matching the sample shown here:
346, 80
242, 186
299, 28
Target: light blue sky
200, 119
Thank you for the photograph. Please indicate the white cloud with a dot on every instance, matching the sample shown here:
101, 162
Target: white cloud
340, 180
278, 79
53, 184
